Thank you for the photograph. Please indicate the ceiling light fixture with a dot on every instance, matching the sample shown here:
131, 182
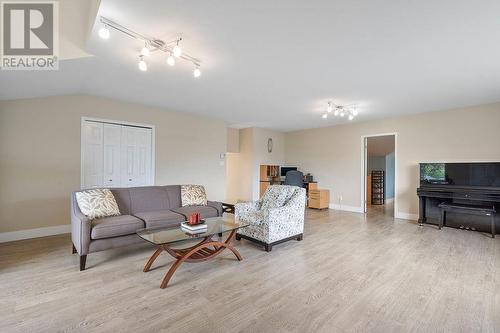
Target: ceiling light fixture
341, 110
142, 64
151, 45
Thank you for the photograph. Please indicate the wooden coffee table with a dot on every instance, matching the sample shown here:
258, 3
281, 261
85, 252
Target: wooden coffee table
207, 248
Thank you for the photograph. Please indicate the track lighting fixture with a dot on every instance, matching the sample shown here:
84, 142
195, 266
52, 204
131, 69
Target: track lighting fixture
172, 48
142, 64
341, 110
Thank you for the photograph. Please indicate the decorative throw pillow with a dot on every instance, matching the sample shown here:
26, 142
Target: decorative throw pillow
97, 203
193, 195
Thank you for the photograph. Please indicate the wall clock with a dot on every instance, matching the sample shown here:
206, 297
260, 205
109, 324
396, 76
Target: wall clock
269, 145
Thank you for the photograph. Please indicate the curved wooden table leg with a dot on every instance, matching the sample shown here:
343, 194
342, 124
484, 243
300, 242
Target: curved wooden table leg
219, 246
152, 259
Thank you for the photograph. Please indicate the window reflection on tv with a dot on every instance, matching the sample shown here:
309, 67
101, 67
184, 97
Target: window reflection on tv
484, 174
432, 173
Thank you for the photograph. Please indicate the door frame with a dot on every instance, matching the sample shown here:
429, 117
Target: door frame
364, 161
122, 123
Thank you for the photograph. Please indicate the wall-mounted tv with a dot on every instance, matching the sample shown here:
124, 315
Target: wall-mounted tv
460, 174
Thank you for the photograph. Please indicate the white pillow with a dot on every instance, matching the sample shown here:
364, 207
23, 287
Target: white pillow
193, 195
97, 203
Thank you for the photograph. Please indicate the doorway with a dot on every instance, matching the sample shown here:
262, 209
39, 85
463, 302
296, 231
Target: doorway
379, 174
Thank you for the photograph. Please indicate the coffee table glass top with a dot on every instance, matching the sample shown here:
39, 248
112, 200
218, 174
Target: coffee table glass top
172, 234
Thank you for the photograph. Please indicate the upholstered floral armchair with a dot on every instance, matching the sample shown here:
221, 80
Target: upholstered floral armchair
277, 217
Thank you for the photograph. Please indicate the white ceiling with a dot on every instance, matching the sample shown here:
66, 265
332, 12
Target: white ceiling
276, 63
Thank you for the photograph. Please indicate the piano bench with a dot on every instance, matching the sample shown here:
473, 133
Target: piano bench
467, 209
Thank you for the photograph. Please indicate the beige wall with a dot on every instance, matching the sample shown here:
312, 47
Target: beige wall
40, 153
333, 154
242, 173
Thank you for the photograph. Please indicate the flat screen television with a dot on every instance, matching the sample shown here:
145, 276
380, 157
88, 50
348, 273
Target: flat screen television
285, 169
461, 174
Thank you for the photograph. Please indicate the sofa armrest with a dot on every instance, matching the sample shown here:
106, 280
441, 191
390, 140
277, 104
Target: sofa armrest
80, 228
217, 205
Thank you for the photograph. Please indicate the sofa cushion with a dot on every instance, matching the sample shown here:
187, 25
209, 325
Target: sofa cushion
122, 197
205, 211
174, 195
148, 199
115, 226
193, 195
160, 218
96, 203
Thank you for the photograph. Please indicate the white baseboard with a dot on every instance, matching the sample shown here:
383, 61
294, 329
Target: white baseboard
34, 233
346, 208
406, 216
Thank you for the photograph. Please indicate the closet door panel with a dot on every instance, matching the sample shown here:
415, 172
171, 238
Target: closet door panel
129, 156
112, 152
143, 141
93, 155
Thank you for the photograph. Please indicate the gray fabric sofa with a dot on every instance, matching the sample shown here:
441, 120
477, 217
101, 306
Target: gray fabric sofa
140, 207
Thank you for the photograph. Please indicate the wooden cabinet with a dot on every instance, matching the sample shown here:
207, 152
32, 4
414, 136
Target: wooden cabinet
319, 199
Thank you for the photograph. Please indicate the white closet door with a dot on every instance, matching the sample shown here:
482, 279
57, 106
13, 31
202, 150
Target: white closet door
112, 147
143, 144
93, 154
136, 156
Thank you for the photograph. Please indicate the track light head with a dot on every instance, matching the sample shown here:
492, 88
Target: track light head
177, 50
145, 51
197, 72
142, 64
324, 116
104, 32
171, 60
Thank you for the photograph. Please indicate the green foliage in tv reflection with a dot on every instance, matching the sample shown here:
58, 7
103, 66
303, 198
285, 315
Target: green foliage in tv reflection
433, 171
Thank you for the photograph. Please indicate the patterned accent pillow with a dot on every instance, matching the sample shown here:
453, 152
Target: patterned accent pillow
193, 195
97, 203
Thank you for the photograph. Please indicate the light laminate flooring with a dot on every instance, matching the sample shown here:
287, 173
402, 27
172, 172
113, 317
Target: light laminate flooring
351, 273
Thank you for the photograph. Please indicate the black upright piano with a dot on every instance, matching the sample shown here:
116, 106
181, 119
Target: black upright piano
458, 183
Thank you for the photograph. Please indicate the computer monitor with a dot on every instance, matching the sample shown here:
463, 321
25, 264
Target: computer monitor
285, 169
